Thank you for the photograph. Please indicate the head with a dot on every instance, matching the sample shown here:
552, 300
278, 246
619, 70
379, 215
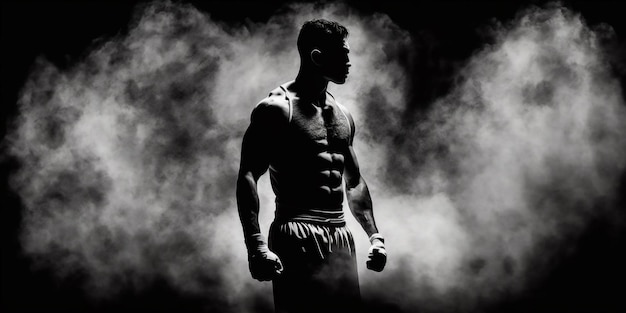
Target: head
323, 48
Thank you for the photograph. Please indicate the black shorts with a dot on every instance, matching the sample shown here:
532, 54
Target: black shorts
320, 269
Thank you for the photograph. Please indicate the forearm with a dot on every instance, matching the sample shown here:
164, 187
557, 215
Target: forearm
264, 264
248, 205
360, 203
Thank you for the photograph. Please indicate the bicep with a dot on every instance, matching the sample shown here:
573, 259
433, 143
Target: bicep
254, 159
254, 147
352, 172
259, 140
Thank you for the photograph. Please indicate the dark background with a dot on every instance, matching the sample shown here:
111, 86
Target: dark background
446, 33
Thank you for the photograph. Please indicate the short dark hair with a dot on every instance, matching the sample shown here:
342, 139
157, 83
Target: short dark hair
320, 33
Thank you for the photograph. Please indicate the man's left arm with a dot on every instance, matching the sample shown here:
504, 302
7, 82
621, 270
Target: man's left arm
360, 203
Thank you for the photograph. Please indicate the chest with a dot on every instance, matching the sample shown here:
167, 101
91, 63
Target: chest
312, 127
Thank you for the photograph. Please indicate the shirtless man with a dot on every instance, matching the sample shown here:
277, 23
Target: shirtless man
304, 137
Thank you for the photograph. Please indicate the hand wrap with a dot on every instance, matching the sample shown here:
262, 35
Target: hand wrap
377, 255
264, 264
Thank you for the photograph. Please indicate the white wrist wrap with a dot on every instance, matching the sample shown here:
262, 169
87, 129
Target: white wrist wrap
377, 236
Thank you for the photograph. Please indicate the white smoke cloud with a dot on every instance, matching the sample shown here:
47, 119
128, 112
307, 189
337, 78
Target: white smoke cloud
516, 160
129, 158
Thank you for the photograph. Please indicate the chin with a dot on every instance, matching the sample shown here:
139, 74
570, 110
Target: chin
340, 80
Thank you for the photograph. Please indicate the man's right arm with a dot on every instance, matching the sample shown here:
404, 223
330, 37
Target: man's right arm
253, 164
257, 142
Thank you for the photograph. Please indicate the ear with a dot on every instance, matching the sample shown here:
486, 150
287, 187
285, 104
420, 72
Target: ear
316, 57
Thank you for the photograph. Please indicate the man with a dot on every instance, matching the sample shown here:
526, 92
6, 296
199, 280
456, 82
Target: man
304, 137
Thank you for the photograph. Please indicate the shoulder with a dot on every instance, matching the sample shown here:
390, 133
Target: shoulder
348, 116
273, 108
345, 110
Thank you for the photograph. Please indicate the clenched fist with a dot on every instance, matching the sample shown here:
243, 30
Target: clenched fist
377, 255
264, 264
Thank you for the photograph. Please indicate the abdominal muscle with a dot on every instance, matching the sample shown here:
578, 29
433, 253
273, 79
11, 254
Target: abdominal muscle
317, 185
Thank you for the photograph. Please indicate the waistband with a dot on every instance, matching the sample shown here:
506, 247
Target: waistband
314, 216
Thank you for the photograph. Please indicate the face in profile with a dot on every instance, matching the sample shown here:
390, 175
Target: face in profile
336, 63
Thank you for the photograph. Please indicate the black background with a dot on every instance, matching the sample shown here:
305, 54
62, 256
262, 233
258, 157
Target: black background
447, 32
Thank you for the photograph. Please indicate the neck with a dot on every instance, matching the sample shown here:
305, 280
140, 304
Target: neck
310, 85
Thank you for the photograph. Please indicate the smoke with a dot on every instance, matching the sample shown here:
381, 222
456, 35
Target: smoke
499, 178
129, 158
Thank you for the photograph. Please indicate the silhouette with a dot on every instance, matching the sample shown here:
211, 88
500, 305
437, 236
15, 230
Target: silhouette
304, 137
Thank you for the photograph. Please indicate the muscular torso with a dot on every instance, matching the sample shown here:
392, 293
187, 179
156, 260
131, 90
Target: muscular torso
307, 163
